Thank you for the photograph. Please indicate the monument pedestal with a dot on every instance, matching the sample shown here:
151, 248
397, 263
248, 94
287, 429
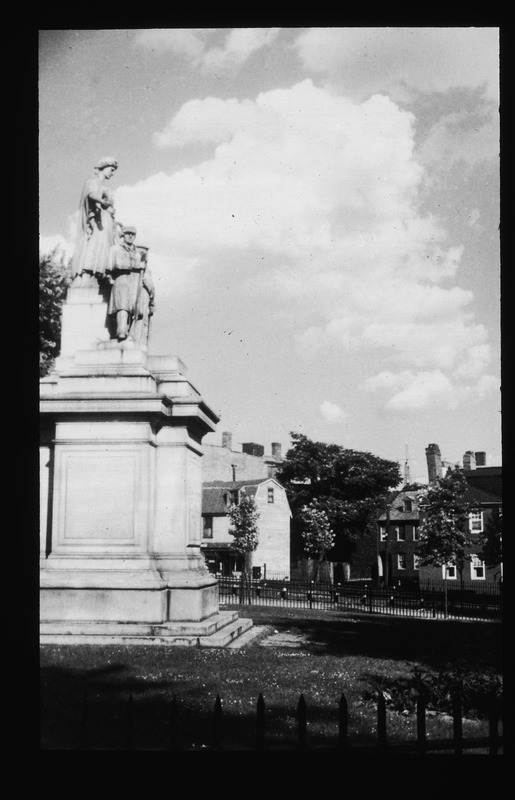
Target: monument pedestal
121, 492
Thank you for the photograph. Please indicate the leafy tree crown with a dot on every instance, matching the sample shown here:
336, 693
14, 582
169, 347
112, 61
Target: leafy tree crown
243, 526
348, 485
54, 279
444, 535
316, 531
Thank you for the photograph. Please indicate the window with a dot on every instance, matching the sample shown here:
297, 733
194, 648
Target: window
233, 497
395, 530
401, 560
416, 561
270, 494
382, 533
408, 505
449, 572
416, 535
207, 532
477, 569
401, 533
476, 522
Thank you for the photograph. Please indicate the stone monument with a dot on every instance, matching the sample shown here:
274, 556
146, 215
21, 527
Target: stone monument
121, 450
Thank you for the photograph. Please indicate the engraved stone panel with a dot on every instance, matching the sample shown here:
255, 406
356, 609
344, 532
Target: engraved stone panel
100, 497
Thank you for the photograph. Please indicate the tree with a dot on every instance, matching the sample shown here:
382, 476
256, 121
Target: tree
444, 539
316, 533
347, 485
491, 539
54, 279
243, 519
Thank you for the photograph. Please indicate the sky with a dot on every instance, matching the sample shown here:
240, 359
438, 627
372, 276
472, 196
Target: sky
321, 207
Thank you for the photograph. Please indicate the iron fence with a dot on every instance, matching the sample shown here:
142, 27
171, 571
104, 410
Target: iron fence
429, 600
212, 736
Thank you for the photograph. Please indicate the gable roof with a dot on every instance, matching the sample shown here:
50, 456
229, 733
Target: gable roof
475, 494
213, 493
485, 482
396, 503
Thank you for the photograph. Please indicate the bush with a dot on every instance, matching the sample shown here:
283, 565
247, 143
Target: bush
476, 691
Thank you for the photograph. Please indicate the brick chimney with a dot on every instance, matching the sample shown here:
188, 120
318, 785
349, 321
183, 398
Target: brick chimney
276, 450
469, 460
227, 440
434, 463
481, 459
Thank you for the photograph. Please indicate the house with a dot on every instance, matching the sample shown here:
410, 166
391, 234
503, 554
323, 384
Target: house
398, 537
273, 550
484, 493
398, 533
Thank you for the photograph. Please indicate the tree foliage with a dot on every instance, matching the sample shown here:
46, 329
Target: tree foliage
491, 539
54, 279
316, 531
348, 485
444, 538
243, 526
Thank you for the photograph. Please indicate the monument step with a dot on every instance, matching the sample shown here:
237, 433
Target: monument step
219, 631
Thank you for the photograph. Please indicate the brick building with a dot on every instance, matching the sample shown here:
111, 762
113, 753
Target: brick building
222, 462
398, 526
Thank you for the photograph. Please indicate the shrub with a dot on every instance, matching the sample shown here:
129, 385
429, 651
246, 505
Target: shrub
476, 691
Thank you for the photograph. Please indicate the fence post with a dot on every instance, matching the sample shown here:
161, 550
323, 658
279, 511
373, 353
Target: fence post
433, 601
381, 720
336, 595
457, 723
260, 723
421, 726
84, 741
129, 733
217, 724
370, 599
343, 719
172, 725
302, 722
310, 594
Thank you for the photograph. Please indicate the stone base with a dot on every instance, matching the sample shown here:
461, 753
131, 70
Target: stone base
125, 597
220, 630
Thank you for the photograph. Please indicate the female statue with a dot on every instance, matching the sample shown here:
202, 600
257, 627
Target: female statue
96, 225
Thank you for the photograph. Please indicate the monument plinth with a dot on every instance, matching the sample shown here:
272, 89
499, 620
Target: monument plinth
121, 488
121, 481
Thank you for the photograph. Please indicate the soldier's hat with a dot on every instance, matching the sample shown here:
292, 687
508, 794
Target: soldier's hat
129, 229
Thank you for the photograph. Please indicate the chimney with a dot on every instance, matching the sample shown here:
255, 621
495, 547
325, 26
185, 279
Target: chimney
276, 450
481, 459
434, 463
227, 440
469, 460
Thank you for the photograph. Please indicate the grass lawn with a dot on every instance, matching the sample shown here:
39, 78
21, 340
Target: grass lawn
319, 654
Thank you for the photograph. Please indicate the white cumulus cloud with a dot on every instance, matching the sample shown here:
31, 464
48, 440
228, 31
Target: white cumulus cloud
323, 193
401, 61
331, 412
195, 45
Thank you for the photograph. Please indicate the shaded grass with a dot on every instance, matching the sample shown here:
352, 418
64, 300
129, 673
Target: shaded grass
327, 653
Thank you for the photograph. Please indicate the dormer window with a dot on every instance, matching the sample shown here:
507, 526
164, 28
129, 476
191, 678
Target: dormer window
408, 505
231, 498
270, 494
